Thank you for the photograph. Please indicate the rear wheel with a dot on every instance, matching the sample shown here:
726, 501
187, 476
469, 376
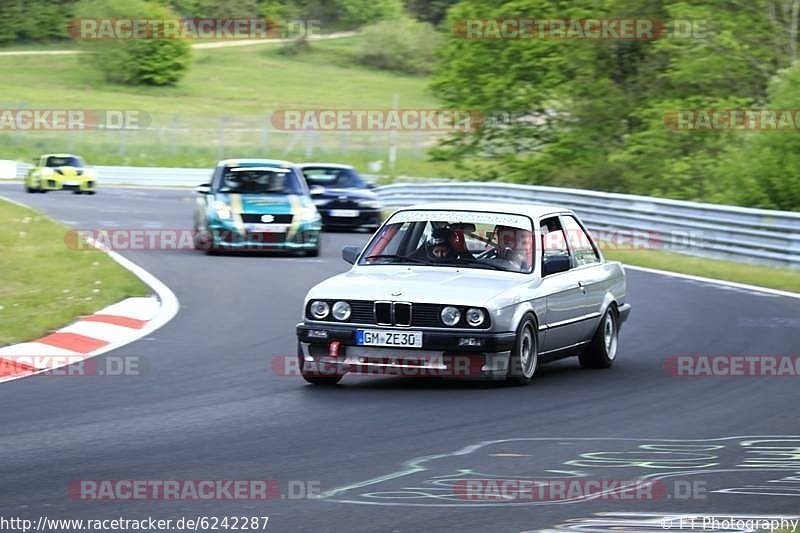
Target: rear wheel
29, 189
602, 351
525, 355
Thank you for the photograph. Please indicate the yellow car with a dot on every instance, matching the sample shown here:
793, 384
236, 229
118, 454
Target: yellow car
56, 172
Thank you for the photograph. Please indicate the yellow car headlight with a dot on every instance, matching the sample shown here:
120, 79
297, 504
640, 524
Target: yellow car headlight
308, 214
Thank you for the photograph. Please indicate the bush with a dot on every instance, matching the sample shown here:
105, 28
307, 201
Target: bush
400, 44
34, 20
135, 61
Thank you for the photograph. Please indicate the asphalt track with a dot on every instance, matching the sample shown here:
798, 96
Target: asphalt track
211, 407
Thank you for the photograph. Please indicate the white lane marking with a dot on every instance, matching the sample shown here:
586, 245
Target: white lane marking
729, 284
141, 308
98, 330
34, 349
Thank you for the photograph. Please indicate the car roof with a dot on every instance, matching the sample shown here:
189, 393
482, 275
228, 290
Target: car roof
236, 162
532, 210
324, 165
260, 169
61, 155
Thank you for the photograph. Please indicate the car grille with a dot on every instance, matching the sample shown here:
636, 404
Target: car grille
420, 315
254, 218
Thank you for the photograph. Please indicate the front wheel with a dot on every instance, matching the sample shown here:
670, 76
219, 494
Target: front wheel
602, 351
525, 355
29, 189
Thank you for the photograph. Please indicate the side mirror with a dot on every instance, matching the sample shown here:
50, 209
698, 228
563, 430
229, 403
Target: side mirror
556, 264
350, 254
370, 185
316, 190
203, 189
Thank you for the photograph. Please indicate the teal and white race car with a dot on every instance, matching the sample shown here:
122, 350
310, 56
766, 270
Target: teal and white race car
256, 204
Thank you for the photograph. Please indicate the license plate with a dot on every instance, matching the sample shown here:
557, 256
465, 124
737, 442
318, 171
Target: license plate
71, 183
377, 337
343, 213
265, 228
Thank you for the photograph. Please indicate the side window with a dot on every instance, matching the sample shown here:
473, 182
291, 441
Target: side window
579, 242
554, 243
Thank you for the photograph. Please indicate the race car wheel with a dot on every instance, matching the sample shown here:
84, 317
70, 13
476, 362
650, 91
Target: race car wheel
313, 253
524, 358
603, 349
90, 192
29, 189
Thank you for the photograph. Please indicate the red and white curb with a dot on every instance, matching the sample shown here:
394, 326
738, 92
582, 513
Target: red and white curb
92, 335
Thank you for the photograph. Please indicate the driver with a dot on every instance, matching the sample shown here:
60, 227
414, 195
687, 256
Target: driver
438, 247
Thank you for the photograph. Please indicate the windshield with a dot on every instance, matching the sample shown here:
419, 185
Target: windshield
69, 161
467, 239
336, 178
259, 181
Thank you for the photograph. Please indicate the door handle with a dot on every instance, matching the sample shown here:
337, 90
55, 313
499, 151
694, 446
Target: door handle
582, 286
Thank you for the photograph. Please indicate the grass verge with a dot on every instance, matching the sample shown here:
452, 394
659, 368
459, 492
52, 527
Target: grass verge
43, 284
763, 276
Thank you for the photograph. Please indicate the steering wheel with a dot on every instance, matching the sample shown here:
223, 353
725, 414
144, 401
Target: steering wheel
491, 253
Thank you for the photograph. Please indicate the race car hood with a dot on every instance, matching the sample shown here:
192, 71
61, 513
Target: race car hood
457, 286
68, 172
273, 204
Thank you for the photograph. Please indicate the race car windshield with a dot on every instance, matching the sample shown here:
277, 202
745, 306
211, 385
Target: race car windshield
463, 239
260, 182
54, 161
337, 178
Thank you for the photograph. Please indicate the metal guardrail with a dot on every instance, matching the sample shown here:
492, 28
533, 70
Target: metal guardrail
709, 230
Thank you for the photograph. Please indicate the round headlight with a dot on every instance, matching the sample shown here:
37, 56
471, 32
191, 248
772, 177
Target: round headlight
450, 316
475, 317
319, 309
341, 310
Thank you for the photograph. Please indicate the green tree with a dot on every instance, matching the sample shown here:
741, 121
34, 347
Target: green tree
135, 61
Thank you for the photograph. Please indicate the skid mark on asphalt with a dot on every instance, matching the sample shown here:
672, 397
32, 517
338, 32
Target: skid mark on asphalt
723, 466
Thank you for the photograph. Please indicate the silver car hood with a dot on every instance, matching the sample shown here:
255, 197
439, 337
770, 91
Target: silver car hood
418, 284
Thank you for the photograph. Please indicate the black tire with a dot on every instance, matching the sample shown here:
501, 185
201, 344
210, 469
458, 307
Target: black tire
602, 351
524, 360
29, 190
313, 253
77, 192
91, 192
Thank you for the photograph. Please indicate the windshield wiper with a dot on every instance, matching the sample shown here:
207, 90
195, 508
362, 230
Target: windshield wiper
397, 256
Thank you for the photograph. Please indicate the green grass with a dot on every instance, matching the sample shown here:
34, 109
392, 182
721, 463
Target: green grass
220, 109
236, 82
44, 285
762, 276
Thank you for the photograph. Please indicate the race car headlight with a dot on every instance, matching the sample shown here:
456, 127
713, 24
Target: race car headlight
223, 210
475, 317
370, 204
341, 310
46, 171
308, 214
450, 316
319, 309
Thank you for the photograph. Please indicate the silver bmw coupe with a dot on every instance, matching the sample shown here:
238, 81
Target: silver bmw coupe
466, 290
